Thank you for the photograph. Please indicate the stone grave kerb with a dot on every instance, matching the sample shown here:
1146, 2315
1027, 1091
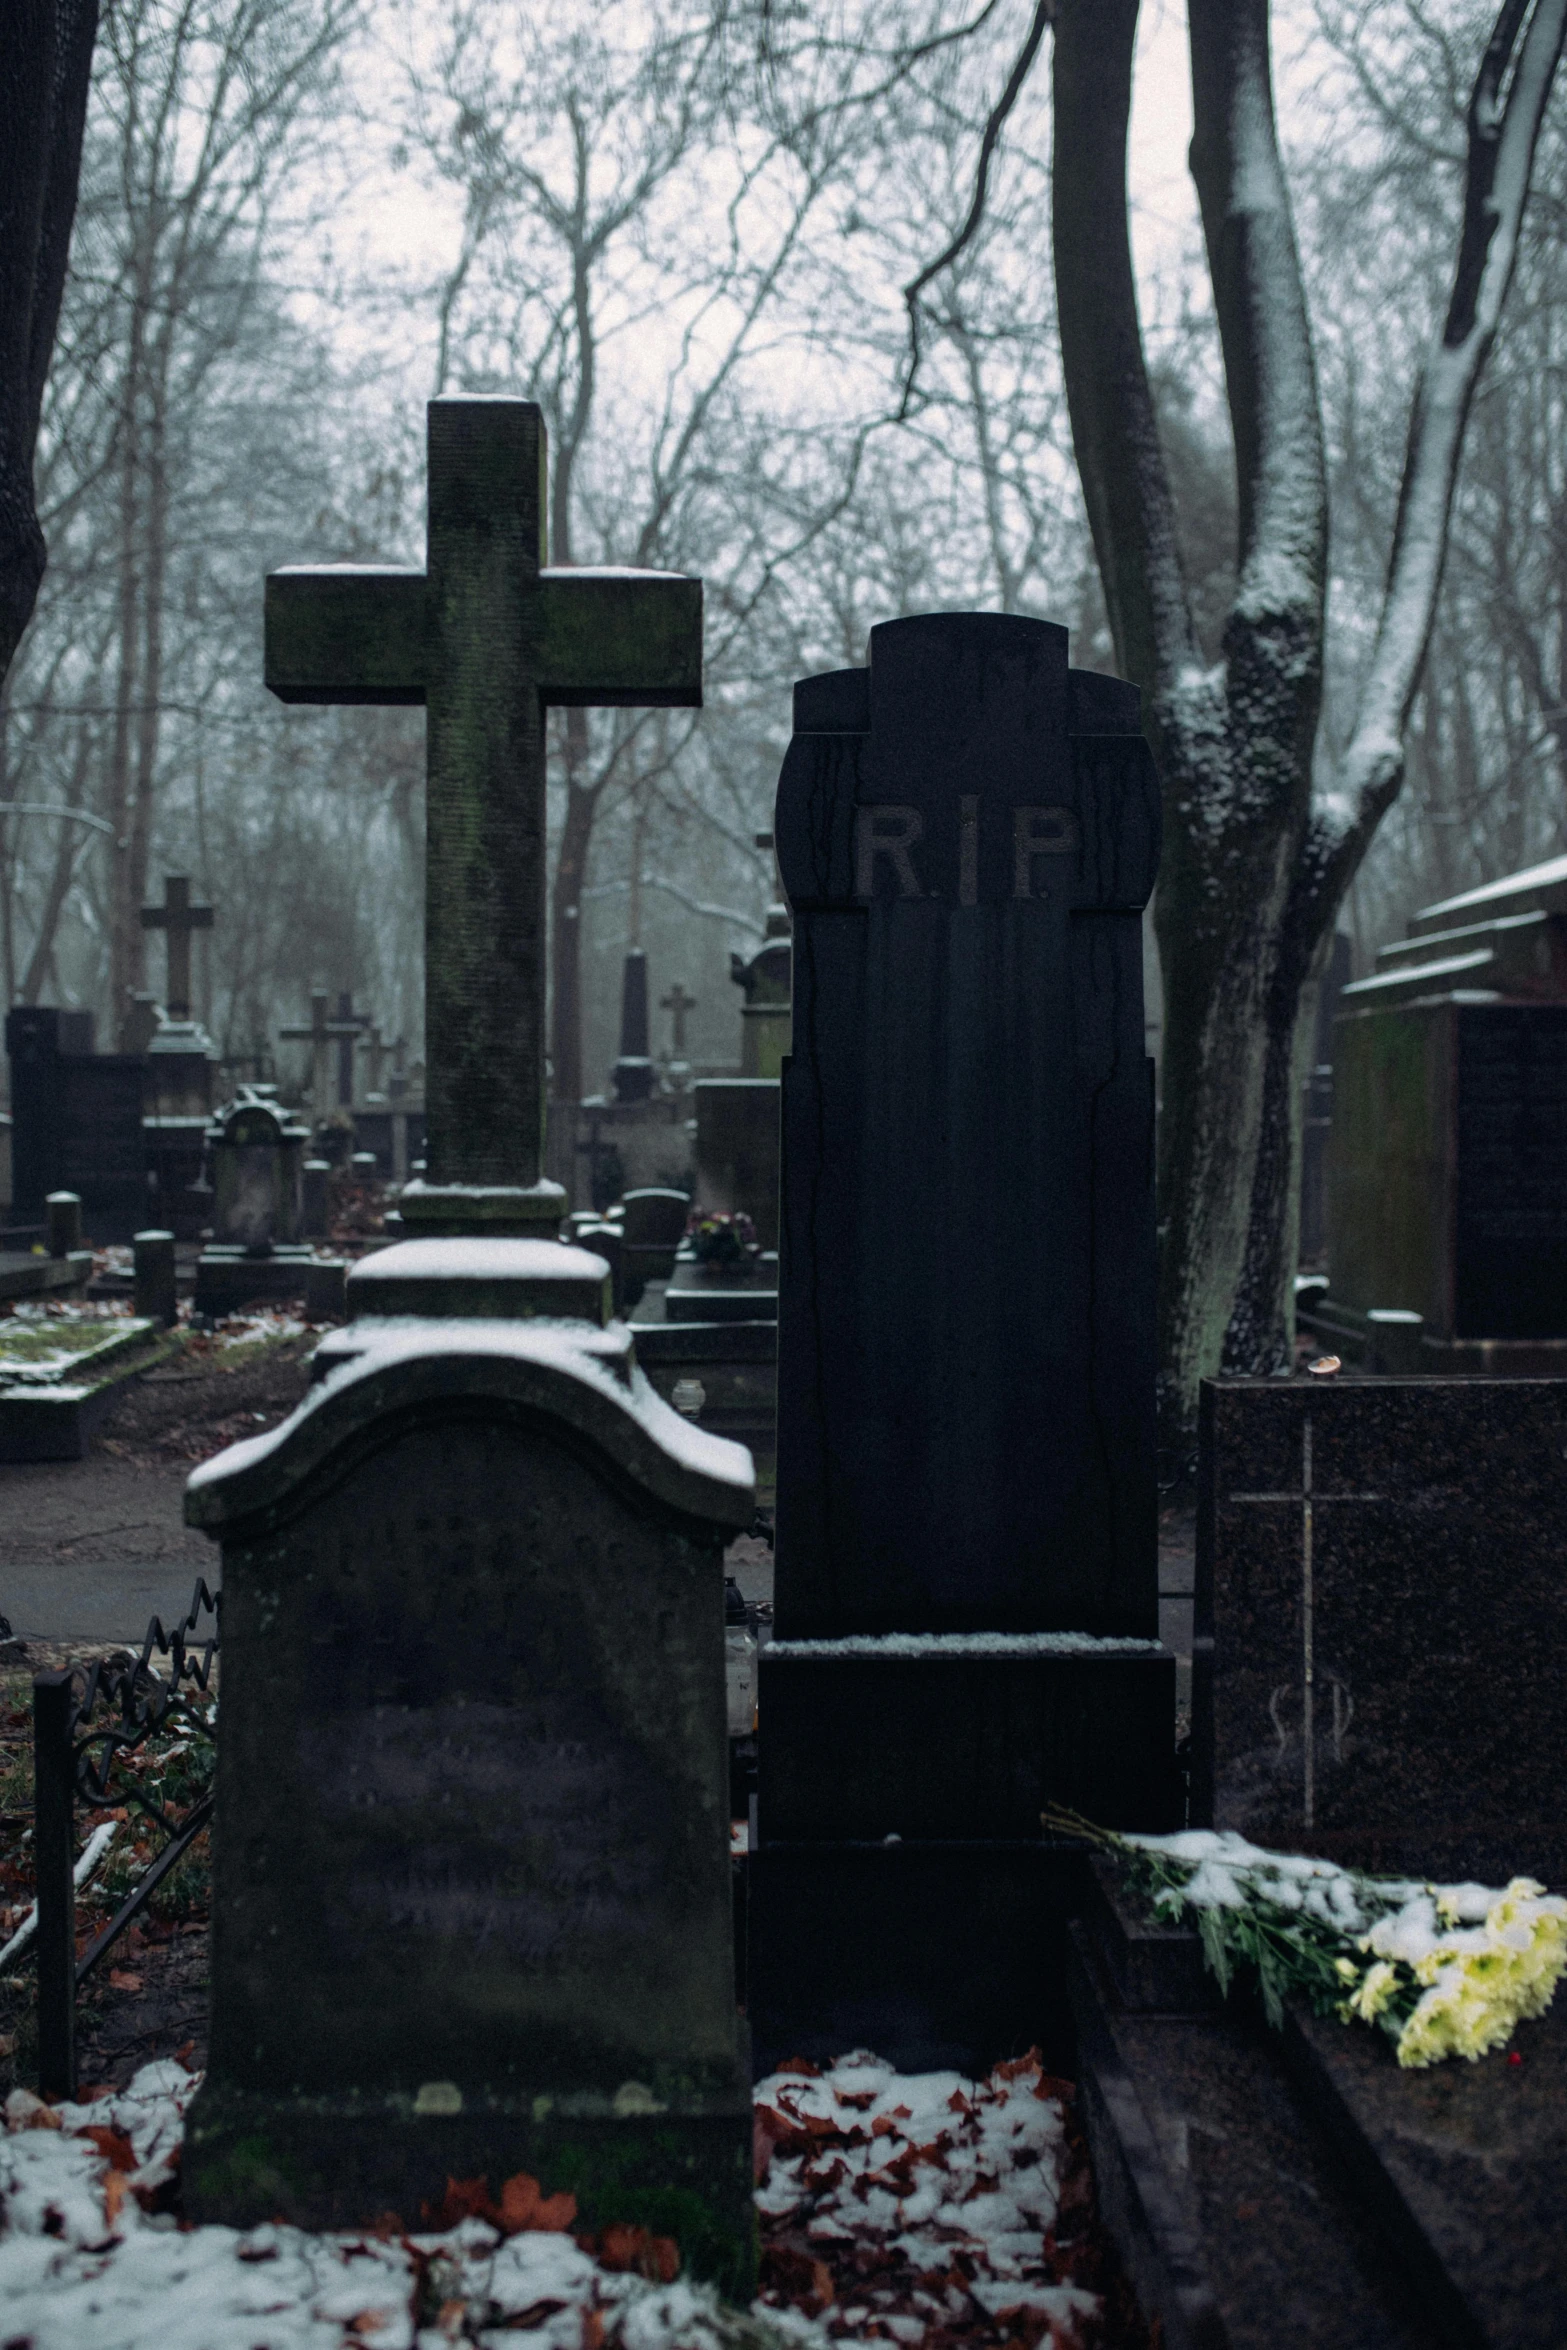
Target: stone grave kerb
486, 636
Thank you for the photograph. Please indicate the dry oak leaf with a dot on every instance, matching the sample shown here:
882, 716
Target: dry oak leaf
798, 2276
627, 2249
113, 2144
123, 1981
525, 2210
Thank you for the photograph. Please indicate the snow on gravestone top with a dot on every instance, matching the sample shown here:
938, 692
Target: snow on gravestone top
967, 831
472, 1876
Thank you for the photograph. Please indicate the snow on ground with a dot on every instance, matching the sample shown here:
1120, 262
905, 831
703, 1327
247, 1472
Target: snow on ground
933, 2195
921, 2205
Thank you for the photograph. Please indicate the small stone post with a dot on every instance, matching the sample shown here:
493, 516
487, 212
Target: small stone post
153, 1260
65, 1222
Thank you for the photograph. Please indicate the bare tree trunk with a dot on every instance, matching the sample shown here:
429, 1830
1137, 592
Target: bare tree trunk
1253, 872
65, 854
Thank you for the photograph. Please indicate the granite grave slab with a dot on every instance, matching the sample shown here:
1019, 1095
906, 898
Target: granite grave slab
1381, 1626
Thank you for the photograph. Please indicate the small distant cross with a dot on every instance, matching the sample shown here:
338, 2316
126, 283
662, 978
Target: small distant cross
374, 1051
320, 1035
1309, 1499
485, 637
677, 1003
178, 918
348, 1026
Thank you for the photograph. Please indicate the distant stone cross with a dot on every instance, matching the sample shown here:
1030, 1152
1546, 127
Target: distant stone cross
677, 1003
349, 1027
322, 1033
374, 1051
1308, 1500
178, 918
485, 637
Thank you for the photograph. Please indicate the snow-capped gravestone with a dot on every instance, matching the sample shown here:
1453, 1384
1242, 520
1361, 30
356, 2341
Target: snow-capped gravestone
966, 1585
472, 1908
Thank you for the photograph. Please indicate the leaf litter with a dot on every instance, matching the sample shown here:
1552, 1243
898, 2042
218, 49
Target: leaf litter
914, 2209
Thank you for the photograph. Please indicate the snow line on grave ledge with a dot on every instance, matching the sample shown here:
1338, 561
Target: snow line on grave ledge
910, 2207
873, 1644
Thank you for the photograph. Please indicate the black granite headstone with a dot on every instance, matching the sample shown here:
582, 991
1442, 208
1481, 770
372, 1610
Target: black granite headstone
634, 1068
77, 1121
965, 1585
968, 832
1381, 1631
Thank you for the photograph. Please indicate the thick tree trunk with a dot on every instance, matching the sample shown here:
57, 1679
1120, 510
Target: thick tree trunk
1233, 742
45, 66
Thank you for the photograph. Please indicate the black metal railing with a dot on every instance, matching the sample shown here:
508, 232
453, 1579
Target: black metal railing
85, 1719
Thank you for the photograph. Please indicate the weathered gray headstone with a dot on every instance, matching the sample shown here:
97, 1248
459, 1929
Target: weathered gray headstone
472, 1904
257, 1247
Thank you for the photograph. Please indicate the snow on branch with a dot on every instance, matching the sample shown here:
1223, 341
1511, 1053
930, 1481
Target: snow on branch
1504, 124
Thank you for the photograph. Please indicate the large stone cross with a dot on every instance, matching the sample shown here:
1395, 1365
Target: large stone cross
485, 637
178, 917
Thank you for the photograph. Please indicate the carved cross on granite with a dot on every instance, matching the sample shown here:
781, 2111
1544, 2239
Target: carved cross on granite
486, 637
1308, 1500
178, 918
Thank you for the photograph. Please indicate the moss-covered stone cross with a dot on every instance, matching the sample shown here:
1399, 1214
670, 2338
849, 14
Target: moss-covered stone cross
486, 636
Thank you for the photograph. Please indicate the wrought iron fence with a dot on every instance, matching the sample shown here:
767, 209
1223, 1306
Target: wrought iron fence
85, 1718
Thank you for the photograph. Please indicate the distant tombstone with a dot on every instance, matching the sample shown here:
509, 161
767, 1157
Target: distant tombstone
634, 1067
1447, 1182
77, 1122
965, 1582
472, 1900
257, 1151
1380, 1639
765, 1019
653, 1228
737, 1145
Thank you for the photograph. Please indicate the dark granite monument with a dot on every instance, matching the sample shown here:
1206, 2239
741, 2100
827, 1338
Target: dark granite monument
77, 1122
1381, 1641
634, 1065
1447, 1180
1381, 1631
966, 1588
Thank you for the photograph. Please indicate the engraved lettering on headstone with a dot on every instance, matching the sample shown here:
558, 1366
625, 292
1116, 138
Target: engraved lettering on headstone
968, 849
886, 829
1039, 832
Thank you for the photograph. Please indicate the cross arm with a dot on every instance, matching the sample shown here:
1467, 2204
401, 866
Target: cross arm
621, 640
188, 917
346, 632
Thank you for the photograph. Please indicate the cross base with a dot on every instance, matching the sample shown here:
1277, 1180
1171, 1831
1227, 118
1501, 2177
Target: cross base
498, 1211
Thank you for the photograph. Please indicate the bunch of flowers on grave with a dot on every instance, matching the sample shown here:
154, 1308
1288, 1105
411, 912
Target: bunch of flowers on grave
1442, 1970
719, 1238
